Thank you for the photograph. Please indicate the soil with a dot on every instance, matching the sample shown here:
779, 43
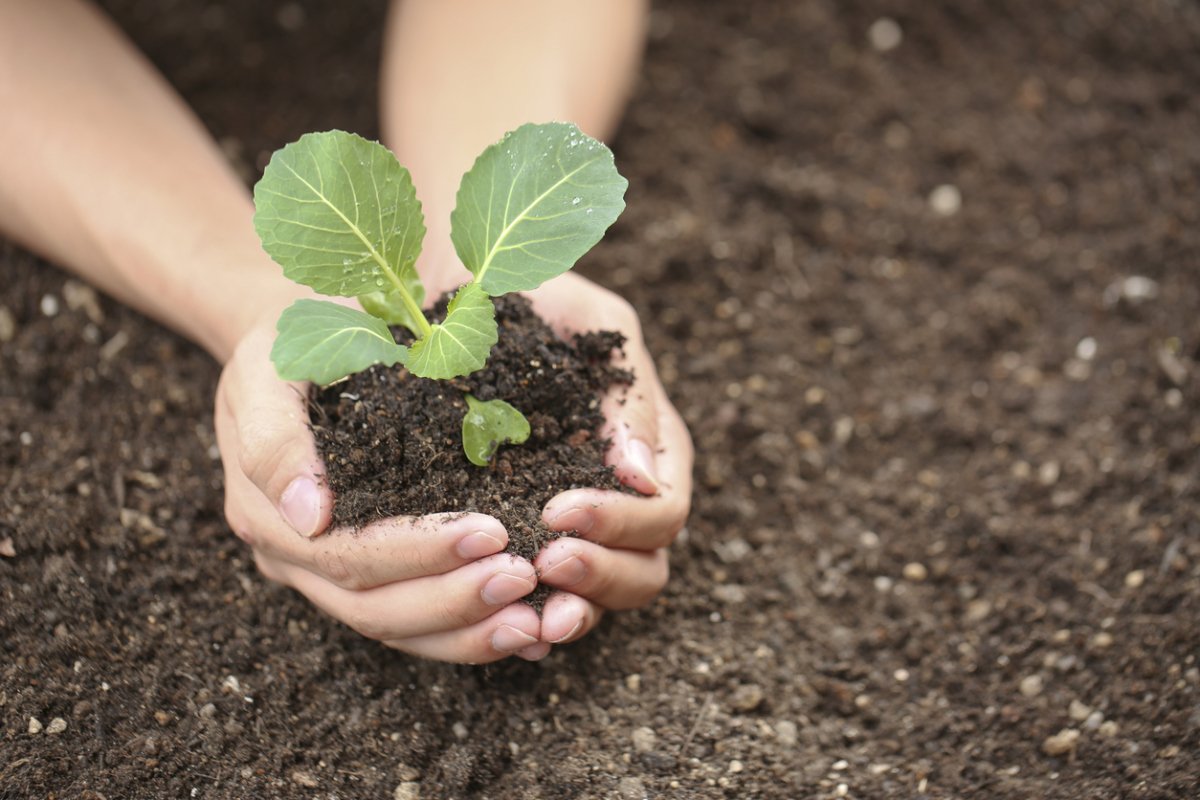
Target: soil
948, 473
392, 443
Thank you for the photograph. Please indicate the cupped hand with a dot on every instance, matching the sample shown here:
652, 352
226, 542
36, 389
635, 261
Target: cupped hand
619, 558
437, 586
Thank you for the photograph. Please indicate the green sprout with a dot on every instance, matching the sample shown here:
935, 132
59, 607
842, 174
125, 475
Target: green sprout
340, 215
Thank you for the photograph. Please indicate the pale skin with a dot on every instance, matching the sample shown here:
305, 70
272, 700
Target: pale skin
94, 148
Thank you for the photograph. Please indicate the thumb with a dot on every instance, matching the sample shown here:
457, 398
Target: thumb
632, 423
275, 447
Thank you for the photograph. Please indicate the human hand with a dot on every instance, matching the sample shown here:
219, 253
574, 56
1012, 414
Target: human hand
437, 586
619, 559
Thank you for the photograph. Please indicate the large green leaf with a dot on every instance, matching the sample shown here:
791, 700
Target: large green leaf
323, 342
339, 214
532, 204
489, 424
459, 345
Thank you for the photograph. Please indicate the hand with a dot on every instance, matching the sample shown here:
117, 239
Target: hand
619, 560
436, 586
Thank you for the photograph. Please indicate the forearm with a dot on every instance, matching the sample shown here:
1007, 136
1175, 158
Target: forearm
459, 73
104, 170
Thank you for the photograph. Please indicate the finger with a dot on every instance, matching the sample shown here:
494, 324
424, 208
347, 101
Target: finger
390, 550
613, 579
423, 605
631, 419
272, 441
566, 617
628, 521
510, 631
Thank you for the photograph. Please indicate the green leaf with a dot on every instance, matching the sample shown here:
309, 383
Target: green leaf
324, 342
391, 308
489, 424
340, 214
532, 204
459, 345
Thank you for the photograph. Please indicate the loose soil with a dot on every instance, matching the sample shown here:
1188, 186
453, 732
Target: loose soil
947, 475
392, 443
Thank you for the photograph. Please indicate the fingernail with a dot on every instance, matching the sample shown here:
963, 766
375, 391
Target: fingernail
508, 639
574, 630
576, 519
535, 652
504, 588
301, 505
640, 460
478, 544
565, 573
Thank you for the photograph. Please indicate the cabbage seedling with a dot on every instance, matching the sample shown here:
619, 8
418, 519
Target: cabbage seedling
340, 215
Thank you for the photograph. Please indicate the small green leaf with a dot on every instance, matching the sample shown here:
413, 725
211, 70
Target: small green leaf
459, 345
391, 308
532, 204
323, 342
340, 214
489, 424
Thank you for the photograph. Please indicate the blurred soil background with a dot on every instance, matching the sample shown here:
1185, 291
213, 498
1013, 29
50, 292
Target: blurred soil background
924, 279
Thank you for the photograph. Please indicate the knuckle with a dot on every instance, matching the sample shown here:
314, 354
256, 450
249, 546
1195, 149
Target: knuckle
454, 614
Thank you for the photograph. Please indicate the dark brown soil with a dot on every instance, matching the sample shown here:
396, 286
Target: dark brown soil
392, 443
948, 465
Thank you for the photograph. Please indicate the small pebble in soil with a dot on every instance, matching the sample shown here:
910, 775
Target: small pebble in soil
633, 682
1108, 729
644, 740
1094, 721
787, 732
1031, 685
56, 726
1078, 711
1086, 349
49, 305
747, 698
304, 779
945, 200
409, 790
915, 571
631, 789
885, 34
1134, 290
1061, 743
977, 611
1135, 579
8, 325
35, 726
7, 548
460, 731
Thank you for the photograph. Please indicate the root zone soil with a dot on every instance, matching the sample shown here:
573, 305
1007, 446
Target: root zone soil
392, 442
948, 470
